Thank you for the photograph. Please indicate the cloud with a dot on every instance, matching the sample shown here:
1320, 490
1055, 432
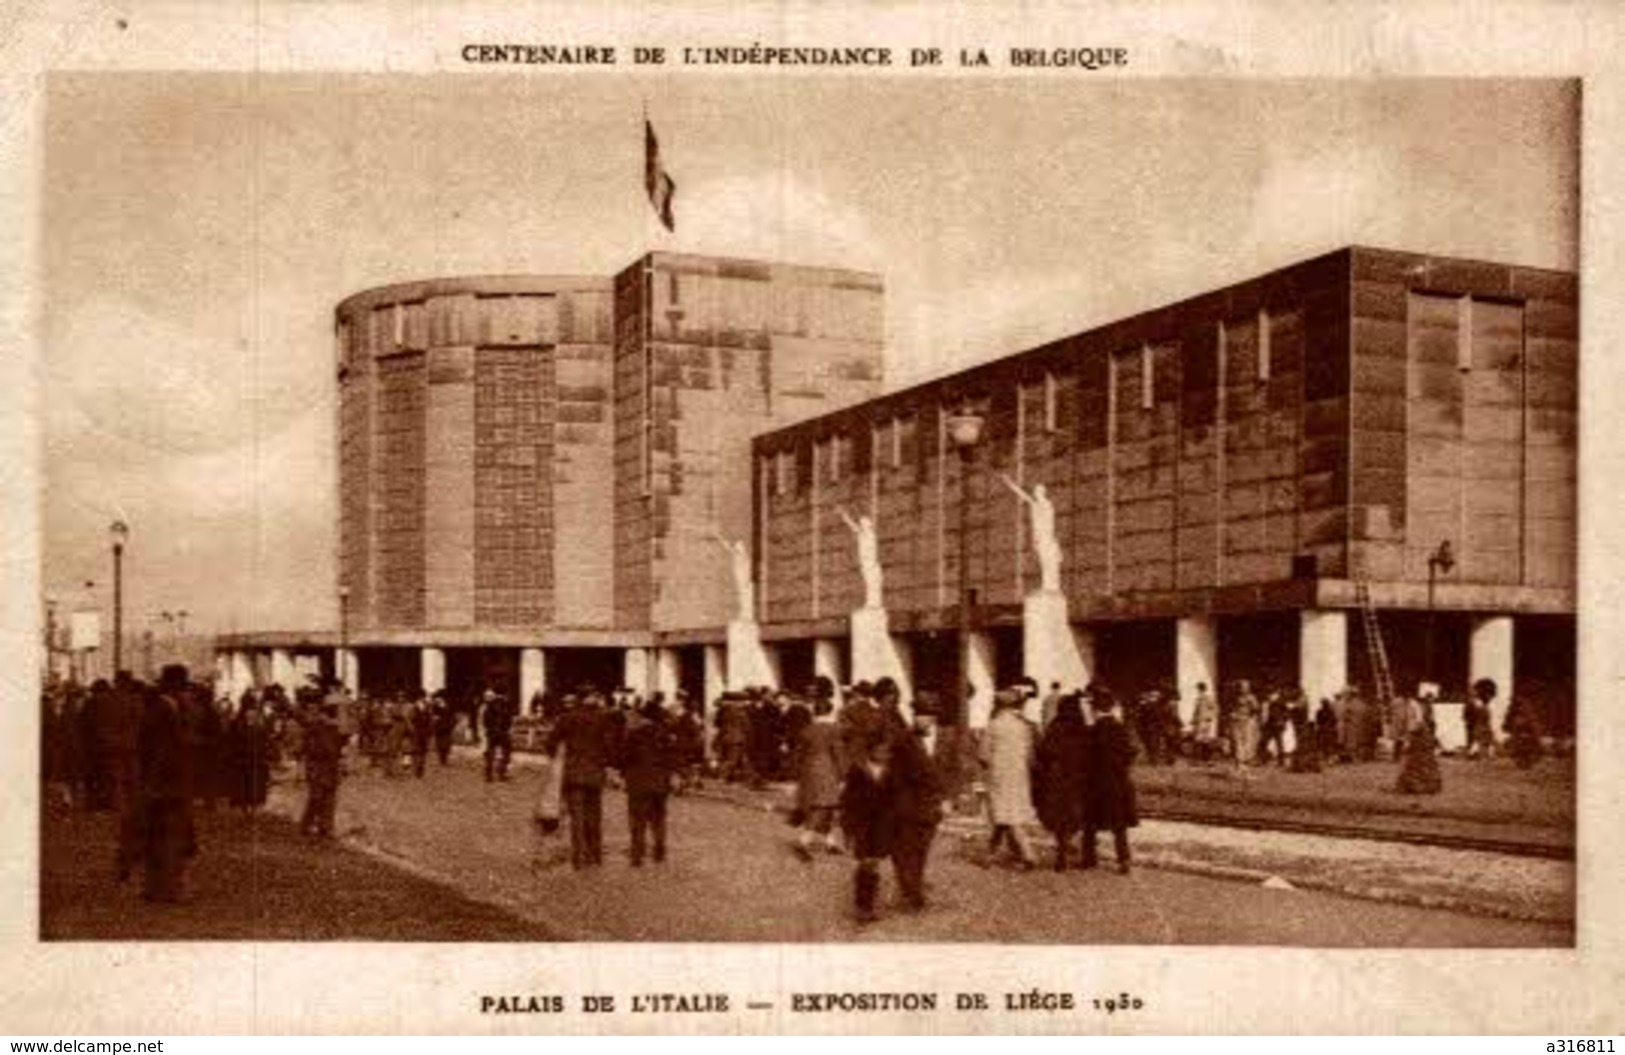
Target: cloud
127, 385
939, 331
774, 216
218, 458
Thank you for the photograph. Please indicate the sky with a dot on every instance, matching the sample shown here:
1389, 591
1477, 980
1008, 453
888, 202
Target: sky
200, 228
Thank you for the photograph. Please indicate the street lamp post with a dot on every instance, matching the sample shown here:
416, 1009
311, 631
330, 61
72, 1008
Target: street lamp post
79, 655
50, 639
965, 432
344, 634
120, 533
1440, 560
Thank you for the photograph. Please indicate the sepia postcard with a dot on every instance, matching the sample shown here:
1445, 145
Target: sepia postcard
800, 519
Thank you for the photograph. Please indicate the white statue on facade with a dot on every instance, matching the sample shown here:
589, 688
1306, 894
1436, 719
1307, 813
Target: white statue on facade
1045, 542
744, 582
863, 529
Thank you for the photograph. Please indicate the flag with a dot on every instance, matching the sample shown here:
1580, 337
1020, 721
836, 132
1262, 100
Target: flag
662, 189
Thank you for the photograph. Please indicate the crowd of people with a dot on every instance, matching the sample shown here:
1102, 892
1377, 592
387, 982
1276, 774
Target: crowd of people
152, 754
1254, 725
868, 781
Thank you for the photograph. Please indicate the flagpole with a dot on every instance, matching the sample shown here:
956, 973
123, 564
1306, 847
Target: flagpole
648, 311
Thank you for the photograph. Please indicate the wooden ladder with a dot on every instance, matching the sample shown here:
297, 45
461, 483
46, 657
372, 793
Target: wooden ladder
1376, 653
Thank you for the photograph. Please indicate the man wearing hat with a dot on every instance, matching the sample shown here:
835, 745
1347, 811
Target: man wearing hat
324, 747
499, 716
858, 718
921, 762
890, 807
1109, 802
590, 740
647, 760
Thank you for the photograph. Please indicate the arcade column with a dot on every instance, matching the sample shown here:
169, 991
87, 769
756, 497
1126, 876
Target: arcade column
349, 668
1323, 653
532, 675
716, 675
1490, 656
283, 671
242, 674
432, 670
981, 666
668, 671
635, 672
1196, 660
827, 660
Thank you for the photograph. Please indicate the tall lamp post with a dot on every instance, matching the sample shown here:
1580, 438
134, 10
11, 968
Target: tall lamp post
344, 635
79, 655
50, 639
119, 531
1440, 560
964, 432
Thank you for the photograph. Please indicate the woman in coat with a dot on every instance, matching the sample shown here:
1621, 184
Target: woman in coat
1009, 752
1205, 722
1419, 774
1244, 725
1108, 799
1523, 727
1060, 778
820, 768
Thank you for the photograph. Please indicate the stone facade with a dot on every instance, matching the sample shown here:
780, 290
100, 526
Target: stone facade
497, 434
535, 472
1257, 449
1311, 424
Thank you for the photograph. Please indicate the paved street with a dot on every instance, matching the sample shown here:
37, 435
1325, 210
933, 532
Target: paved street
256, 879
732, 877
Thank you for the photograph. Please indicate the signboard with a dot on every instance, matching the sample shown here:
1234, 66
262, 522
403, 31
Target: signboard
84, 631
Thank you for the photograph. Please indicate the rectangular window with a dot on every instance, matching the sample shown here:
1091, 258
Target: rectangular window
400, 325
836, 456
1148, 374
1263, 345
1052, 403
1464, 333
784, 473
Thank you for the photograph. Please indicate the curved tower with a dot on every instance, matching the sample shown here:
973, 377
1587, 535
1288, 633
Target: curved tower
475, 454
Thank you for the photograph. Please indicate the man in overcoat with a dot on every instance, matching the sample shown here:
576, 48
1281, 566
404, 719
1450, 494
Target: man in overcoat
324, 750
1109, 801
498, 716
647, 762
891, 804
920, 765
444, 718
1059, 779
167, 756
421, 723
588, 734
